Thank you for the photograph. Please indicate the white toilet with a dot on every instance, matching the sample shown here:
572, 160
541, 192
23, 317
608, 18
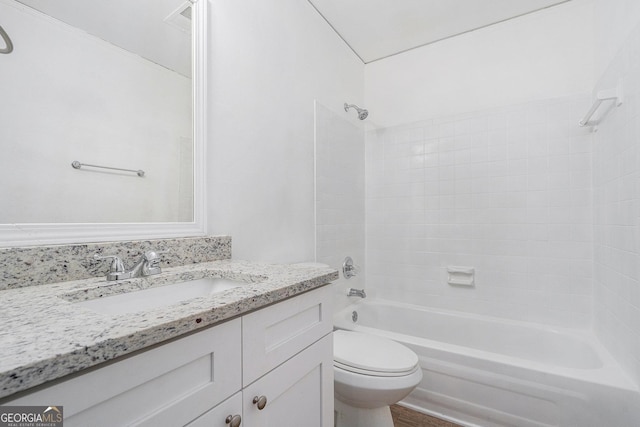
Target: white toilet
370, 374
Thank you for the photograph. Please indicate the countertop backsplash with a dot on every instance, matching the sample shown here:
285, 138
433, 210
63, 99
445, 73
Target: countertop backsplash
40, 265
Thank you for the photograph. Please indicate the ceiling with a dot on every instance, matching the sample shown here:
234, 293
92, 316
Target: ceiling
376, 29
137, 26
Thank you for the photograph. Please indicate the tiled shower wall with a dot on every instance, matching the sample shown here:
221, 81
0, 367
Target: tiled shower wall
506, 191
340, 159
616, 167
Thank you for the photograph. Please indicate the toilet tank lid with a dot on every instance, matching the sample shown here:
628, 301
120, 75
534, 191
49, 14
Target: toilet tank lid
372, 353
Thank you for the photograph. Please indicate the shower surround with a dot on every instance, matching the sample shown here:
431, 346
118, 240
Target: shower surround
616, 170
506, 191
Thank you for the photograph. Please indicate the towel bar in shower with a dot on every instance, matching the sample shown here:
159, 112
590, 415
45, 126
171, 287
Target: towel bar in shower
614, 94
77, 165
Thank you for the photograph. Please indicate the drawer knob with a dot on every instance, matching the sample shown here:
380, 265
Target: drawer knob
233, 420
260, 402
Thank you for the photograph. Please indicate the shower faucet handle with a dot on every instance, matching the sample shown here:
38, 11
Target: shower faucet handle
349, 269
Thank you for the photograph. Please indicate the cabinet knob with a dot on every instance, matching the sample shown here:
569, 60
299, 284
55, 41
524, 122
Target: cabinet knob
260, 402
233, 420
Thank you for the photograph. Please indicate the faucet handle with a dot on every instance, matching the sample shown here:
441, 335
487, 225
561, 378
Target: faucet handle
117, 270
117, 266
152, 259
349, 269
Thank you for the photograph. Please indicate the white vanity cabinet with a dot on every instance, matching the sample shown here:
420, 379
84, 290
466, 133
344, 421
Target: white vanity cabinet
281, 353
297, 385
169, 385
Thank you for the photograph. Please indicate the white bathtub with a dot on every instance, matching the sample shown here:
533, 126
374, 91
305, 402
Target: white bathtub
482, 371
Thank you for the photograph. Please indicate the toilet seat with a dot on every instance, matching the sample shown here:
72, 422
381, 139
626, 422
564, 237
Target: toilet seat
348, 368
371, 355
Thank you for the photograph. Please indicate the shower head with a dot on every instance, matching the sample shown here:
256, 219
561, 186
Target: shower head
362, 112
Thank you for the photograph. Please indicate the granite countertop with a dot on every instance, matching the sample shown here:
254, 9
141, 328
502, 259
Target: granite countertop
44, 335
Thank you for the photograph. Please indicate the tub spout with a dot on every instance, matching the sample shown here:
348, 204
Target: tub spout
351, 292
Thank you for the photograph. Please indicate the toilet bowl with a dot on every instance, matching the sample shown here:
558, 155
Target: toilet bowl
370, 374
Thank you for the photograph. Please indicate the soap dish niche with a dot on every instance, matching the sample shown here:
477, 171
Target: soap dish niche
461, 276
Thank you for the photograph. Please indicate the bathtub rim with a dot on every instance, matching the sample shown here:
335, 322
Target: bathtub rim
609, 374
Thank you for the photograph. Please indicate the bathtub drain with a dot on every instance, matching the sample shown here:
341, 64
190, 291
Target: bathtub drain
354, 316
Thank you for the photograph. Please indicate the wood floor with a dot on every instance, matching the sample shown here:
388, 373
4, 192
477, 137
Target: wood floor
404, 417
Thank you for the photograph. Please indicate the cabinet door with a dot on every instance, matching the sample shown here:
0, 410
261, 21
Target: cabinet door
169, 385
274, 334
299, 392
218, 415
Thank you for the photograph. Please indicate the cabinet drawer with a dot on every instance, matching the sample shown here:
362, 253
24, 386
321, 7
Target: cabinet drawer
165, 386
274, 334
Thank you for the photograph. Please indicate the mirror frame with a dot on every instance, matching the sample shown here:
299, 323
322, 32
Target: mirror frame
13, 235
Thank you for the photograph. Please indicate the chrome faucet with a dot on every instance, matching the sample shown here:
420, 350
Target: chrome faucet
349, 269
352, 292
146, 266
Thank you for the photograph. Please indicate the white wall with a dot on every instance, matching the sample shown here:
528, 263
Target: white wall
269, 60
615, 20
69, 96
616, 191
546, 54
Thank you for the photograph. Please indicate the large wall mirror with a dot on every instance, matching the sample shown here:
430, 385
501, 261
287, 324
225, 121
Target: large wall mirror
102, 120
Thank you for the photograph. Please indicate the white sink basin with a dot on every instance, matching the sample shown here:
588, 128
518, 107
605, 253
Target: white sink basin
159, 296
